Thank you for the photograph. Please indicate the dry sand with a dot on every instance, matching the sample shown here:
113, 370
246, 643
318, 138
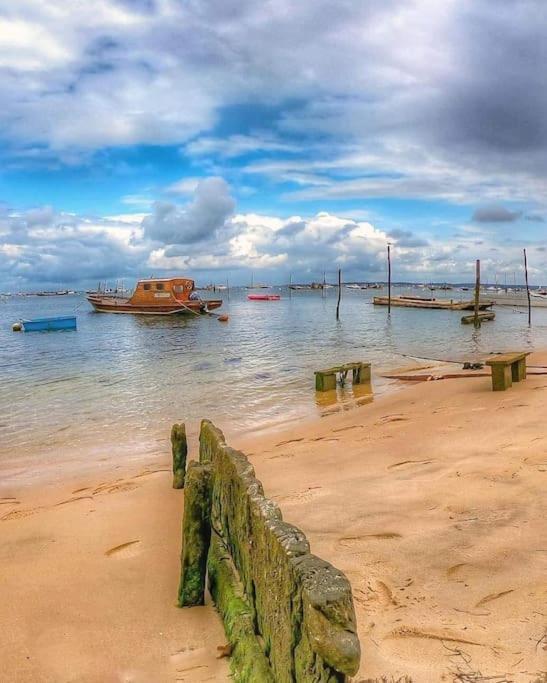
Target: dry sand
430, 499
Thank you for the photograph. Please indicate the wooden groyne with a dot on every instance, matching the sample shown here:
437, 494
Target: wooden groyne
288, 615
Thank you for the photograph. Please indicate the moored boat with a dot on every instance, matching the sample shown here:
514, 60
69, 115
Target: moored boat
263, 297
156, 296
61, 322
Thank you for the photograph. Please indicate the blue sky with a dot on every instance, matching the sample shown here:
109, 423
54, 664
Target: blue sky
222, 138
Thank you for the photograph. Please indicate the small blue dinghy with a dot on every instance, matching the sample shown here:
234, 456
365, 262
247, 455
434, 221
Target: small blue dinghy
62, 322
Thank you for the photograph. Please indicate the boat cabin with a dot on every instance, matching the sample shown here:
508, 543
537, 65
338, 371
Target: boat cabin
153, 291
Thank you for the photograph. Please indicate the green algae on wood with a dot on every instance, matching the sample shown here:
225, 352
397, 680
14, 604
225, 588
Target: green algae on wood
298, 607
196, 535
248, 662
179, 449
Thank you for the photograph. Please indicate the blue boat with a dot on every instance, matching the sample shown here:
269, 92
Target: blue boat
62, 322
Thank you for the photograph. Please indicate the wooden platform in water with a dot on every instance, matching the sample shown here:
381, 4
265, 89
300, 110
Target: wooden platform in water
470, 319
442, 304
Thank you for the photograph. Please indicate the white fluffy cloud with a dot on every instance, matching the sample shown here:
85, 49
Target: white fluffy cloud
42, 247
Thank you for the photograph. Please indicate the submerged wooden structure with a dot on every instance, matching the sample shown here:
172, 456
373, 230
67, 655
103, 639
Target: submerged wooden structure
482, 317
441, 304
325, 380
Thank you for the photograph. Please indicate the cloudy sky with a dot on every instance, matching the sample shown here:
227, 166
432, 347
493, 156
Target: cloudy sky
222, 137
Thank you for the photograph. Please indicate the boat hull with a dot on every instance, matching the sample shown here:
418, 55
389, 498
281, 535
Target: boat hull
67, 322
263, 297
116, 305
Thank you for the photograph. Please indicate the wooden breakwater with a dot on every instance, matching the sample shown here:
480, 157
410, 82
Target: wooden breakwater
288, 615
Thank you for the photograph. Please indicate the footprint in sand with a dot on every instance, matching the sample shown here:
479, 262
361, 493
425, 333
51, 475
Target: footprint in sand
359, 544
391, 418
493, 596
124, 549
284, 443
19, 514
409, 462
410, 632
301, 496
115, 488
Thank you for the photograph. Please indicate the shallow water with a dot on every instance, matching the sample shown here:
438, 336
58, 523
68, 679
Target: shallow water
127, 378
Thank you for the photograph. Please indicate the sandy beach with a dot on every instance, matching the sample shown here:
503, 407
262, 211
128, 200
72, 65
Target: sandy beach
430, 499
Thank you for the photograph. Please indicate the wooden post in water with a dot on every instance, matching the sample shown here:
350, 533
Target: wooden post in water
228, 289
527, 289
324, 283
476, 321
389, 279
290, 286
339, 293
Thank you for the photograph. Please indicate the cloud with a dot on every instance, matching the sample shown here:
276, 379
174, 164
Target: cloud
41, 246
236, 146
44, 248
405, 238
495, 214
199, 220
535, 218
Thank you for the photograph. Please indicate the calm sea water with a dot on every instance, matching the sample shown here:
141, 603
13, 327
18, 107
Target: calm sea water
125, 379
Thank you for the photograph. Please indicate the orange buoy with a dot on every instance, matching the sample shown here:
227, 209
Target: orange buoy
223, 318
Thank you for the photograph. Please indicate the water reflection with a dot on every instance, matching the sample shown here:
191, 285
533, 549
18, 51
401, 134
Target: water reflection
344, 397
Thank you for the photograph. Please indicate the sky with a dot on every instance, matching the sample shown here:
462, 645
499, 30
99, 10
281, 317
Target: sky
230, 139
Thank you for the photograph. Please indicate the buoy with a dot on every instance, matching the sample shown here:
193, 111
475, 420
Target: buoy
17, 327
223, 318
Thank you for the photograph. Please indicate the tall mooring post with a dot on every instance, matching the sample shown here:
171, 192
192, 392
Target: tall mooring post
527, 288
476, 321
339, 293
389, 279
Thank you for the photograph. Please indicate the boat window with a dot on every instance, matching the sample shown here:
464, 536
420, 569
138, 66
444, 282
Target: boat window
146, 285
159, 285
178, 288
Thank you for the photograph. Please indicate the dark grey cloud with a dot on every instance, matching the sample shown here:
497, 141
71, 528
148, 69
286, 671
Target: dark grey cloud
406, 238
198, 220
535, 218
495, 214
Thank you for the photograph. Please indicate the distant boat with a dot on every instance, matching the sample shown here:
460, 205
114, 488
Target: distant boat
63, 322
263, 297
161, 296
257, 285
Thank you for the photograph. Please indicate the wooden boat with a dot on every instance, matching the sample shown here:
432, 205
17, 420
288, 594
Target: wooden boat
155, 296
470, 319
61, 322
263, 297
442, 304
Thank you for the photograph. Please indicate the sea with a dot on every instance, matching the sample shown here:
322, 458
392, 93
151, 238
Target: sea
114, 387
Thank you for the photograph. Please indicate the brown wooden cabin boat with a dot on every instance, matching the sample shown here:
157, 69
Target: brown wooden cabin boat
155, 296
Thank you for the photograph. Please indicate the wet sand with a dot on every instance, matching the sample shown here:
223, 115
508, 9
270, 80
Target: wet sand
430, 499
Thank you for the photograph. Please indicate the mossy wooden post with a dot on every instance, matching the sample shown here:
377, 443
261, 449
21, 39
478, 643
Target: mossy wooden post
325, 381
196, 534
179, 448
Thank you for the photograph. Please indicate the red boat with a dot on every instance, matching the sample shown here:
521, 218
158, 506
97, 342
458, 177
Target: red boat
165, 296
263, 297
